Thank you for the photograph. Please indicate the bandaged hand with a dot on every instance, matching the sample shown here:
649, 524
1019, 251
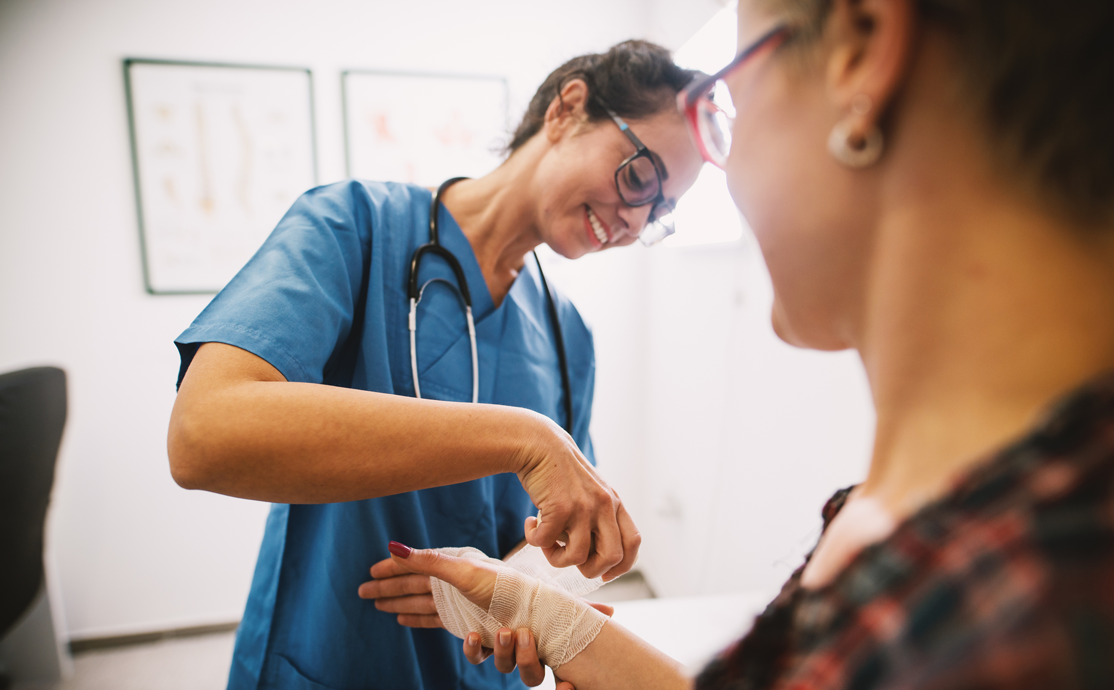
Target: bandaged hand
477, 594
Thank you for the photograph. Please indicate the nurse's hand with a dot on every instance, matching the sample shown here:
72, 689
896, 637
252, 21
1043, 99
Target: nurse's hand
512, 648
581, 521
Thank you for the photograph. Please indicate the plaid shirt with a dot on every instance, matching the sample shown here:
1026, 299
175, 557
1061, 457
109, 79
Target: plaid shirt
1007, 582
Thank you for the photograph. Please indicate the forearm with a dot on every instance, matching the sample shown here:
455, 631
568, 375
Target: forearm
306, 443
619, 659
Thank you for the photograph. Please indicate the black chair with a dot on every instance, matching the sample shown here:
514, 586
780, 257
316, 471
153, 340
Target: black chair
32, 415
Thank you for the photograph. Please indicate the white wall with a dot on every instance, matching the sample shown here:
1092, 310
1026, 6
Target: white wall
746, 437
693, 393
672, 22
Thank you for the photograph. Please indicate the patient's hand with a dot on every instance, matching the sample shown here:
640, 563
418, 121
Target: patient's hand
399, 591
512, 648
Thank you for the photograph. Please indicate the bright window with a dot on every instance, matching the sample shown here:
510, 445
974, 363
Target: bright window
706, 214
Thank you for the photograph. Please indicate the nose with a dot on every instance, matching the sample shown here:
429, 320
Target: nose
635, 218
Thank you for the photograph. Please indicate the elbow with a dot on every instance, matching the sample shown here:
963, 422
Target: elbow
191, 464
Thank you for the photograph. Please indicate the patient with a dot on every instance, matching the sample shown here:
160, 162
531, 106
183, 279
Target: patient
931, 184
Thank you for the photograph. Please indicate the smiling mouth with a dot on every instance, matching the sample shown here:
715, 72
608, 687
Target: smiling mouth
599, 228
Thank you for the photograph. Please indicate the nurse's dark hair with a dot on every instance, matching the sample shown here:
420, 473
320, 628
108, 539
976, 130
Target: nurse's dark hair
634, 78
1038, 73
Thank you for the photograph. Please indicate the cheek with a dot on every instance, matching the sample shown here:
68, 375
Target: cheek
794, 198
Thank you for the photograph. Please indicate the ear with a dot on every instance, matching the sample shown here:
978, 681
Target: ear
872, 45
567, 111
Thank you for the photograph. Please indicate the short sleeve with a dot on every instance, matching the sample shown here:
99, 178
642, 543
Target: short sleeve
293, 303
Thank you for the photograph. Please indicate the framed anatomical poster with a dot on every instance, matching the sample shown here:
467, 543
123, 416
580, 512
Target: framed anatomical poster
423, 128
220, 152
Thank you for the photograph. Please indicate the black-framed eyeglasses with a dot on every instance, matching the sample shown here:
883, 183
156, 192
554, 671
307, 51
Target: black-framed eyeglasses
639, 181
707, 107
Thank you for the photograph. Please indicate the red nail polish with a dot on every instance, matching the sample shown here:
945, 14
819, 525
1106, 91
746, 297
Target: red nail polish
400, 550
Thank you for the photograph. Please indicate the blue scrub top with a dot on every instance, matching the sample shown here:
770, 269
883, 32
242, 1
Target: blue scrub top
293, 305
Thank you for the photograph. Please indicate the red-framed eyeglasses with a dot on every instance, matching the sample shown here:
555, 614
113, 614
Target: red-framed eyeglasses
707, 107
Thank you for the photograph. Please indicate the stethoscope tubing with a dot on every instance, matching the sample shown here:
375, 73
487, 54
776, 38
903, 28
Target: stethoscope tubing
414, 293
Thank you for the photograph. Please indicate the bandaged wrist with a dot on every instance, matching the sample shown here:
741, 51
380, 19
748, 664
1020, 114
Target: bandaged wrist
529, 593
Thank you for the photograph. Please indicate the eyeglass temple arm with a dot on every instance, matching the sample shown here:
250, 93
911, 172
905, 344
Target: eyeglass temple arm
626, 128
693, 94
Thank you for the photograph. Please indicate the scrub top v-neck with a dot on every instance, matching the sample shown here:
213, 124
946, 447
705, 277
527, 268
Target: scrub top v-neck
345, 248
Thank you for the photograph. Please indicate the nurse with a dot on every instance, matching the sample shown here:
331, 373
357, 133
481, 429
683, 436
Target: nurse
296, 384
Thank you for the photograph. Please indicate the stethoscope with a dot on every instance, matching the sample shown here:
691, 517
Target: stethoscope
415, 294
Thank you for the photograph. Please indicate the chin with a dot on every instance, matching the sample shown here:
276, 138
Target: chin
800, 331
782, 328
569, 250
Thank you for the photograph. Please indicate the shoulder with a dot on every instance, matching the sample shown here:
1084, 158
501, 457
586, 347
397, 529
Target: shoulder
355, 195
1007, 589
390, 217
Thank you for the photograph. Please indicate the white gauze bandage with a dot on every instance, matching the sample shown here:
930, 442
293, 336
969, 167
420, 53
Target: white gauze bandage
529, 593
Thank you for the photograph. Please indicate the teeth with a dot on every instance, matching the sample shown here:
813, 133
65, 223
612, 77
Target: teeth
597, 228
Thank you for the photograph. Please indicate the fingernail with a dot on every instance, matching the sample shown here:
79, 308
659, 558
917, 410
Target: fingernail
523, 637
505, 638
473, 640
400, 550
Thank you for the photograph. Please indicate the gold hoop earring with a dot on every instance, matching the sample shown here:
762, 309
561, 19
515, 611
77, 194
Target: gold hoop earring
863, 153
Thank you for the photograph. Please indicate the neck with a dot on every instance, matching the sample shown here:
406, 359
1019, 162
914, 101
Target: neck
983, 309
496, 216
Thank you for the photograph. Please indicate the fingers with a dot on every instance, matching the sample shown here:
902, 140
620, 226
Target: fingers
387, 568
473, 652
411, 620
504, 650
578, 546
530, 670
512, 649
546, 531
562, 684
474, 579
420, 604
632, 541
605, 609
607, 548
397, 586
530, 530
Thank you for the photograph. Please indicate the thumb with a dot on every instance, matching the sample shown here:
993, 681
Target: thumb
553, 532
474, 579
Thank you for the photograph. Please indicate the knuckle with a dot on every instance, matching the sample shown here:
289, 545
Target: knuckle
556, 513
602, 497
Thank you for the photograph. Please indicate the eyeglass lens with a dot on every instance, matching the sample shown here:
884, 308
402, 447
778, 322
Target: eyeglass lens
638, 181
659, 227
715, 116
